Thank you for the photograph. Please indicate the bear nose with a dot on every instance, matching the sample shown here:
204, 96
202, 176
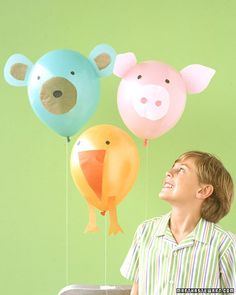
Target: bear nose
57, 93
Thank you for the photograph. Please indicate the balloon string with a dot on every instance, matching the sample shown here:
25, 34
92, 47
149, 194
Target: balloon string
146, 180
105, 247
67, 216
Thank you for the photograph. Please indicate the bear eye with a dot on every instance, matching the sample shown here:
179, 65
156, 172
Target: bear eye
72, 72
38, 77
167, 81
139, 77
108, 142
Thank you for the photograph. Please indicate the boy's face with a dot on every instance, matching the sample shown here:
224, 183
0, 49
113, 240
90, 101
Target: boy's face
181, 184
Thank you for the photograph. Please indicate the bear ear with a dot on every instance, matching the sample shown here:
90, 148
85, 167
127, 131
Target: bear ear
197, 77
103, 58
17, 69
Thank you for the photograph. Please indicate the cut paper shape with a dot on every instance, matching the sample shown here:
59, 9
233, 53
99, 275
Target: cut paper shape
152, 95
104, 166
63, 85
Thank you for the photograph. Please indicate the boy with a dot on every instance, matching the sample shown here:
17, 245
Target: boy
186, 248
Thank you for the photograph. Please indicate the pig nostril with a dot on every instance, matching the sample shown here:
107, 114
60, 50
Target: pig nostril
143, 100
158, 103
57, 93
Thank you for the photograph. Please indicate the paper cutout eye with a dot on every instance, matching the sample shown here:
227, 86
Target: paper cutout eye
72, 72
78, 143
108, 142
38, 78
167, 81
139, 77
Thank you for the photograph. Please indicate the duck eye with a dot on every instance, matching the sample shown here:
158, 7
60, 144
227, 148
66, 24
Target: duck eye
167, 81
72, 72
108, 142
139, 76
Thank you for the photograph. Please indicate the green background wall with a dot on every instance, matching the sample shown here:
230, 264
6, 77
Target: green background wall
33, 158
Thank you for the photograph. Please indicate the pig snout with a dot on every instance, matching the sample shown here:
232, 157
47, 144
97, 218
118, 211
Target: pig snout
151, 102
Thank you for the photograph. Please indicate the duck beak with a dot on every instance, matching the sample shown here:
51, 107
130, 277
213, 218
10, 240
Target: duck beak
91, 163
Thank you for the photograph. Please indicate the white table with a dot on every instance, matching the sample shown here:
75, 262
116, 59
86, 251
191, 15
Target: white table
92, 290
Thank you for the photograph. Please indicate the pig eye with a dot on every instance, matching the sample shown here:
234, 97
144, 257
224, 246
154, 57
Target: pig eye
72, 72
167, 81
139, 77
108, 142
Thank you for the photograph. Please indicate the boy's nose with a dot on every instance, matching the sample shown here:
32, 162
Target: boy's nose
168, 174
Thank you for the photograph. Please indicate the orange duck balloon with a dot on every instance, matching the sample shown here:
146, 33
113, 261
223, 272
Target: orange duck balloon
104, 166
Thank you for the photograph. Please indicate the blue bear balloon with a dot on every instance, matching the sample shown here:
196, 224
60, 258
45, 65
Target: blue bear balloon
63, 85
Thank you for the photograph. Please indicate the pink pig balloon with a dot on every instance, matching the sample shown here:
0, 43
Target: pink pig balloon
152, 95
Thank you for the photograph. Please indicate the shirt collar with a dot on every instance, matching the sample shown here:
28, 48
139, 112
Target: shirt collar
202, 232
163, 225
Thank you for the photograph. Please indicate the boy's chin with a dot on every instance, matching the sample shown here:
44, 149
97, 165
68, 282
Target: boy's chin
167, 197
164, 196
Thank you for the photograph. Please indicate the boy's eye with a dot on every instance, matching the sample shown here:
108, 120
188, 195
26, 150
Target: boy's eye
181, 169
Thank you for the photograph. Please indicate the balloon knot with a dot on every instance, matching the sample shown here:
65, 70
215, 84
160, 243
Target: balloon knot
103, 213
145, 142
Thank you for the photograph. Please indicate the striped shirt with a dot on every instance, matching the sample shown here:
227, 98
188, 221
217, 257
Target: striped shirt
206, 258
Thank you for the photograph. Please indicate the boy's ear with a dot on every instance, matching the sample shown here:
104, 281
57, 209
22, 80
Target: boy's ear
103, 58
17, 69
205, 191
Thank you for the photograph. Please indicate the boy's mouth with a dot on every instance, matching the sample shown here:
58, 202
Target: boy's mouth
168, 185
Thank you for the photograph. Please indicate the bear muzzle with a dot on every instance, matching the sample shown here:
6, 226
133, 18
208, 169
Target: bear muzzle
58, 95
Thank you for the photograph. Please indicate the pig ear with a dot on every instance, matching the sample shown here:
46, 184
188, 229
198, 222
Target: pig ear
17, 69
103, 58
123, 63
196, 77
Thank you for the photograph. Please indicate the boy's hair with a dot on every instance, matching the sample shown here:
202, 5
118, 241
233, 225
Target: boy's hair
210, 170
